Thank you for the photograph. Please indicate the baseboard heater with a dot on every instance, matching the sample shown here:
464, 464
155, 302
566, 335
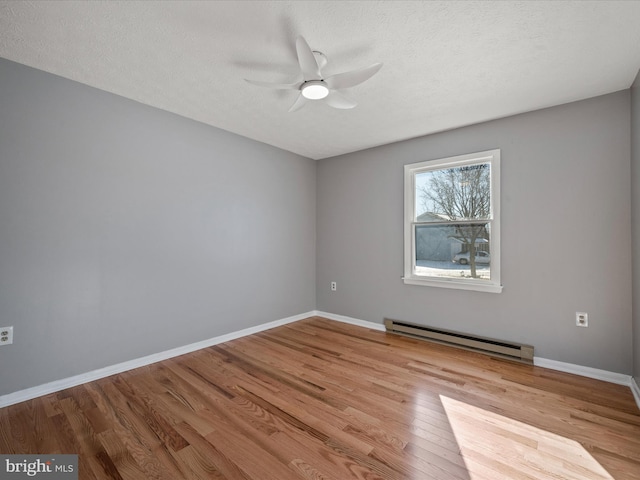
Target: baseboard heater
489, 346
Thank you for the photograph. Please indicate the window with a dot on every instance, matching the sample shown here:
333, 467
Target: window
452, 222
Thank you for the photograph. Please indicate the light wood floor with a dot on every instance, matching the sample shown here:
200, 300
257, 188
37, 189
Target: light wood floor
319, 400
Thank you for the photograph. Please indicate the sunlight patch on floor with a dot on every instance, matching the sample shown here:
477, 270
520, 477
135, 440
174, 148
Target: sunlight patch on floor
501, 447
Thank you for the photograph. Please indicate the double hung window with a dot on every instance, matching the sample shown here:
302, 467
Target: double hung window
452, 222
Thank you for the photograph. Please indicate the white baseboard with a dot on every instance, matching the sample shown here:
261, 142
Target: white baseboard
589, 372
596, 373
352, 321
55, 386
635, 389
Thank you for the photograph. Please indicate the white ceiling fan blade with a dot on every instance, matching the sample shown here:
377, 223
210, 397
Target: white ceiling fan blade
337, 100
350, 79
298, 104
307, 60
277, 86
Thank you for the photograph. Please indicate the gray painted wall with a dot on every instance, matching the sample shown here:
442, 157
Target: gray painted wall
566, 235
126, 230
635, 222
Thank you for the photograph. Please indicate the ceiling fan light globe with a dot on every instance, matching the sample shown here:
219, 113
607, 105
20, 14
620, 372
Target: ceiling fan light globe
314, 90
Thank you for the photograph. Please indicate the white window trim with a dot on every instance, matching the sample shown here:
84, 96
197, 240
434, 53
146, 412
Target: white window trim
494, 285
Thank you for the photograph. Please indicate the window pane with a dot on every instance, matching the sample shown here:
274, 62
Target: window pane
452, 194
453, 251
452, 222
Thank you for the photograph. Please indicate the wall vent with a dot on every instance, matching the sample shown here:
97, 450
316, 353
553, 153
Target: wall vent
490, 346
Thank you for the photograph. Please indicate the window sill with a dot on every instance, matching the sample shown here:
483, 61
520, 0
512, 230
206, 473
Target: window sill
454, 284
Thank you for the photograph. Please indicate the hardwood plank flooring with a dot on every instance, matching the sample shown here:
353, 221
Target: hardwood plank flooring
322, 400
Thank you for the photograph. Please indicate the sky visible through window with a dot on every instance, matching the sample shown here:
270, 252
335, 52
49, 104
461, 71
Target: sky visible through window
422, 179
458, 183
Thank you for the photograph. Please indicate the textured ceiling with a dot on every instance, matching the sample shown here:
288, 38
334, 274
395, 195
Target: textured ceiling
446, 64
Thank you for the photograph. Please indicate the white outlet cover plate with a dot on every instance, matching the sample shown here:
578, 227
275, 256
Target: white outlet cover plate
6, 335
582, 319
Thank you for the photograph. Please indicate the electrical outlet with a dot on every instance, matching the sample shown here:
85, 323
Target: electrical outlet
6, 335
582, 319
334, 286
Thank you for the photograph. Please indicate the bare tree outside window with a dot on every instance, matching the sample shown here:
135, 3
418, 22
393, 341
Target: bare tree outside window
461, 197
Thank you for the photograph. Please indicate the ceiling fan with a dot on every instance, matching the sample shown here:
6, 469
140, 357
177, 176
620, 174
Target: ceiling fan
316, 87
